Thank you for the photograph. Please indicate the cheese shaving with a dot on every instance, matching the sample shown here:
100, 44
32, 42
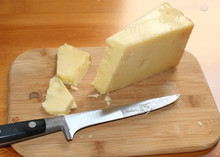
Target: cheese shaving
94, 95
90, 136
74, 88
147, 113
108, 99
199, 123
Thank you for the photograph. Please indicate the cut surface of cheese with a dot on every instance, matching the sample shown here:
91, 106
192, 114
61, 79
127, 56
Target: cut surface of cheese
58, 101
72, 64
146, 47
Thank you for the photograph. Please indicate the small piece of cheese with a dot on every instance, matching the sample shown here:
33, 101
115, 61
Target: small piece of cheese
72, 64
146, 47
94, 96
199, 123
108, 99
58, 101
73, 88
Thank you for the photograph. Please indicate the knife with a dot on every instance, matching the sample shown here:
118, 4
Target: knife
70, 124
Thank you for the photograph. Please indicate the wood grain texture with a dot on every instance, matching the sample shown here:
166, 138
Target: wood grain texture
29, 24
173, 129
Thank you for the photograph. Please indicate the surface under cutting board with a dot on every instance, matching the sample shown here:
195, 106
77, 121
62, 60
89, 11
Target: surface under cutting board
190, 124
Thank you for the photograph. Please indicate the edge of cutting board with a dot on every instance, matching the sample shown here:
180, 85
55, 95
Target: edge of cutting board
201, 146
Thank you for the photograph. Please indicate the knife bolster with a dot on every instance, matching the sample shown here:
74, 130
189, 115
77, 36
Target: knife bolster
56, 124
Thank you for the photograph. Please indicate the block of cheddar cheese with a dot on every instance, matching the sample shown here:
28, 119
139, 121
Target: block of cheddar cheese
72, 64
148, 46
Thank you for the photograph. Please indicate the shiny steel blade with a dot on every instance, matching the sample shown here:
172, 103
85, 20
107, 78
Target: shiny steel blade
81, 120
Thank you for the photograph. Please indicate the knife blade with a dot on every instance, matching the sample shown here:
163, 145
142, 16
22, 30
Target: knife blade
70, 124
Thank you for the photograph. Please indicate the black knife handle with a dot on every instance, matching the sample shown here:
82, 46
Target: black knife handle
15, 132
19, 131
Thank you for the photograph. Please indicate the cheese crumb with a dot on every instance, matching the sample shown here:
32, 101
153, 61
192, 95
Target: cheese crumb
74, 88
94, 95
108, 99
199, 123
90, 136
147, 113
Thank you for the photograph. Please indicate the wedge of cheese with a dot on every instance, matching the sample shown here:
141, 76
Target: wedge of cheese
72, 64
58, 101
146, 47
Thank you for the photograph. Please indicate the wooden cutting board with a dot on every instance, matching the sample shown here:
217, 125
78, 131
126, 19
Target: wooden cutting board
190, 124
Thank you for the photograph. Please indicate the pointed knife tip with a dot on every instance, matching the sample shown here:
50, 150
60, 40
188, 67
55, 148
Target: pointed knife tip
178, 95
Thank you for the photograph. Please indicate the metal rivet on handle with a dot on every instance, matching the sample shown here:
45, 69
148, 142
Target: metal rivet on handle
32, 124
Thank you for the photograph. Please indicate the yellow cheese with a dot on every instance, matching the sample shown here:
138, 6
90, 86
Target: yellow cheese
72, 64
146, 47
58, 99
